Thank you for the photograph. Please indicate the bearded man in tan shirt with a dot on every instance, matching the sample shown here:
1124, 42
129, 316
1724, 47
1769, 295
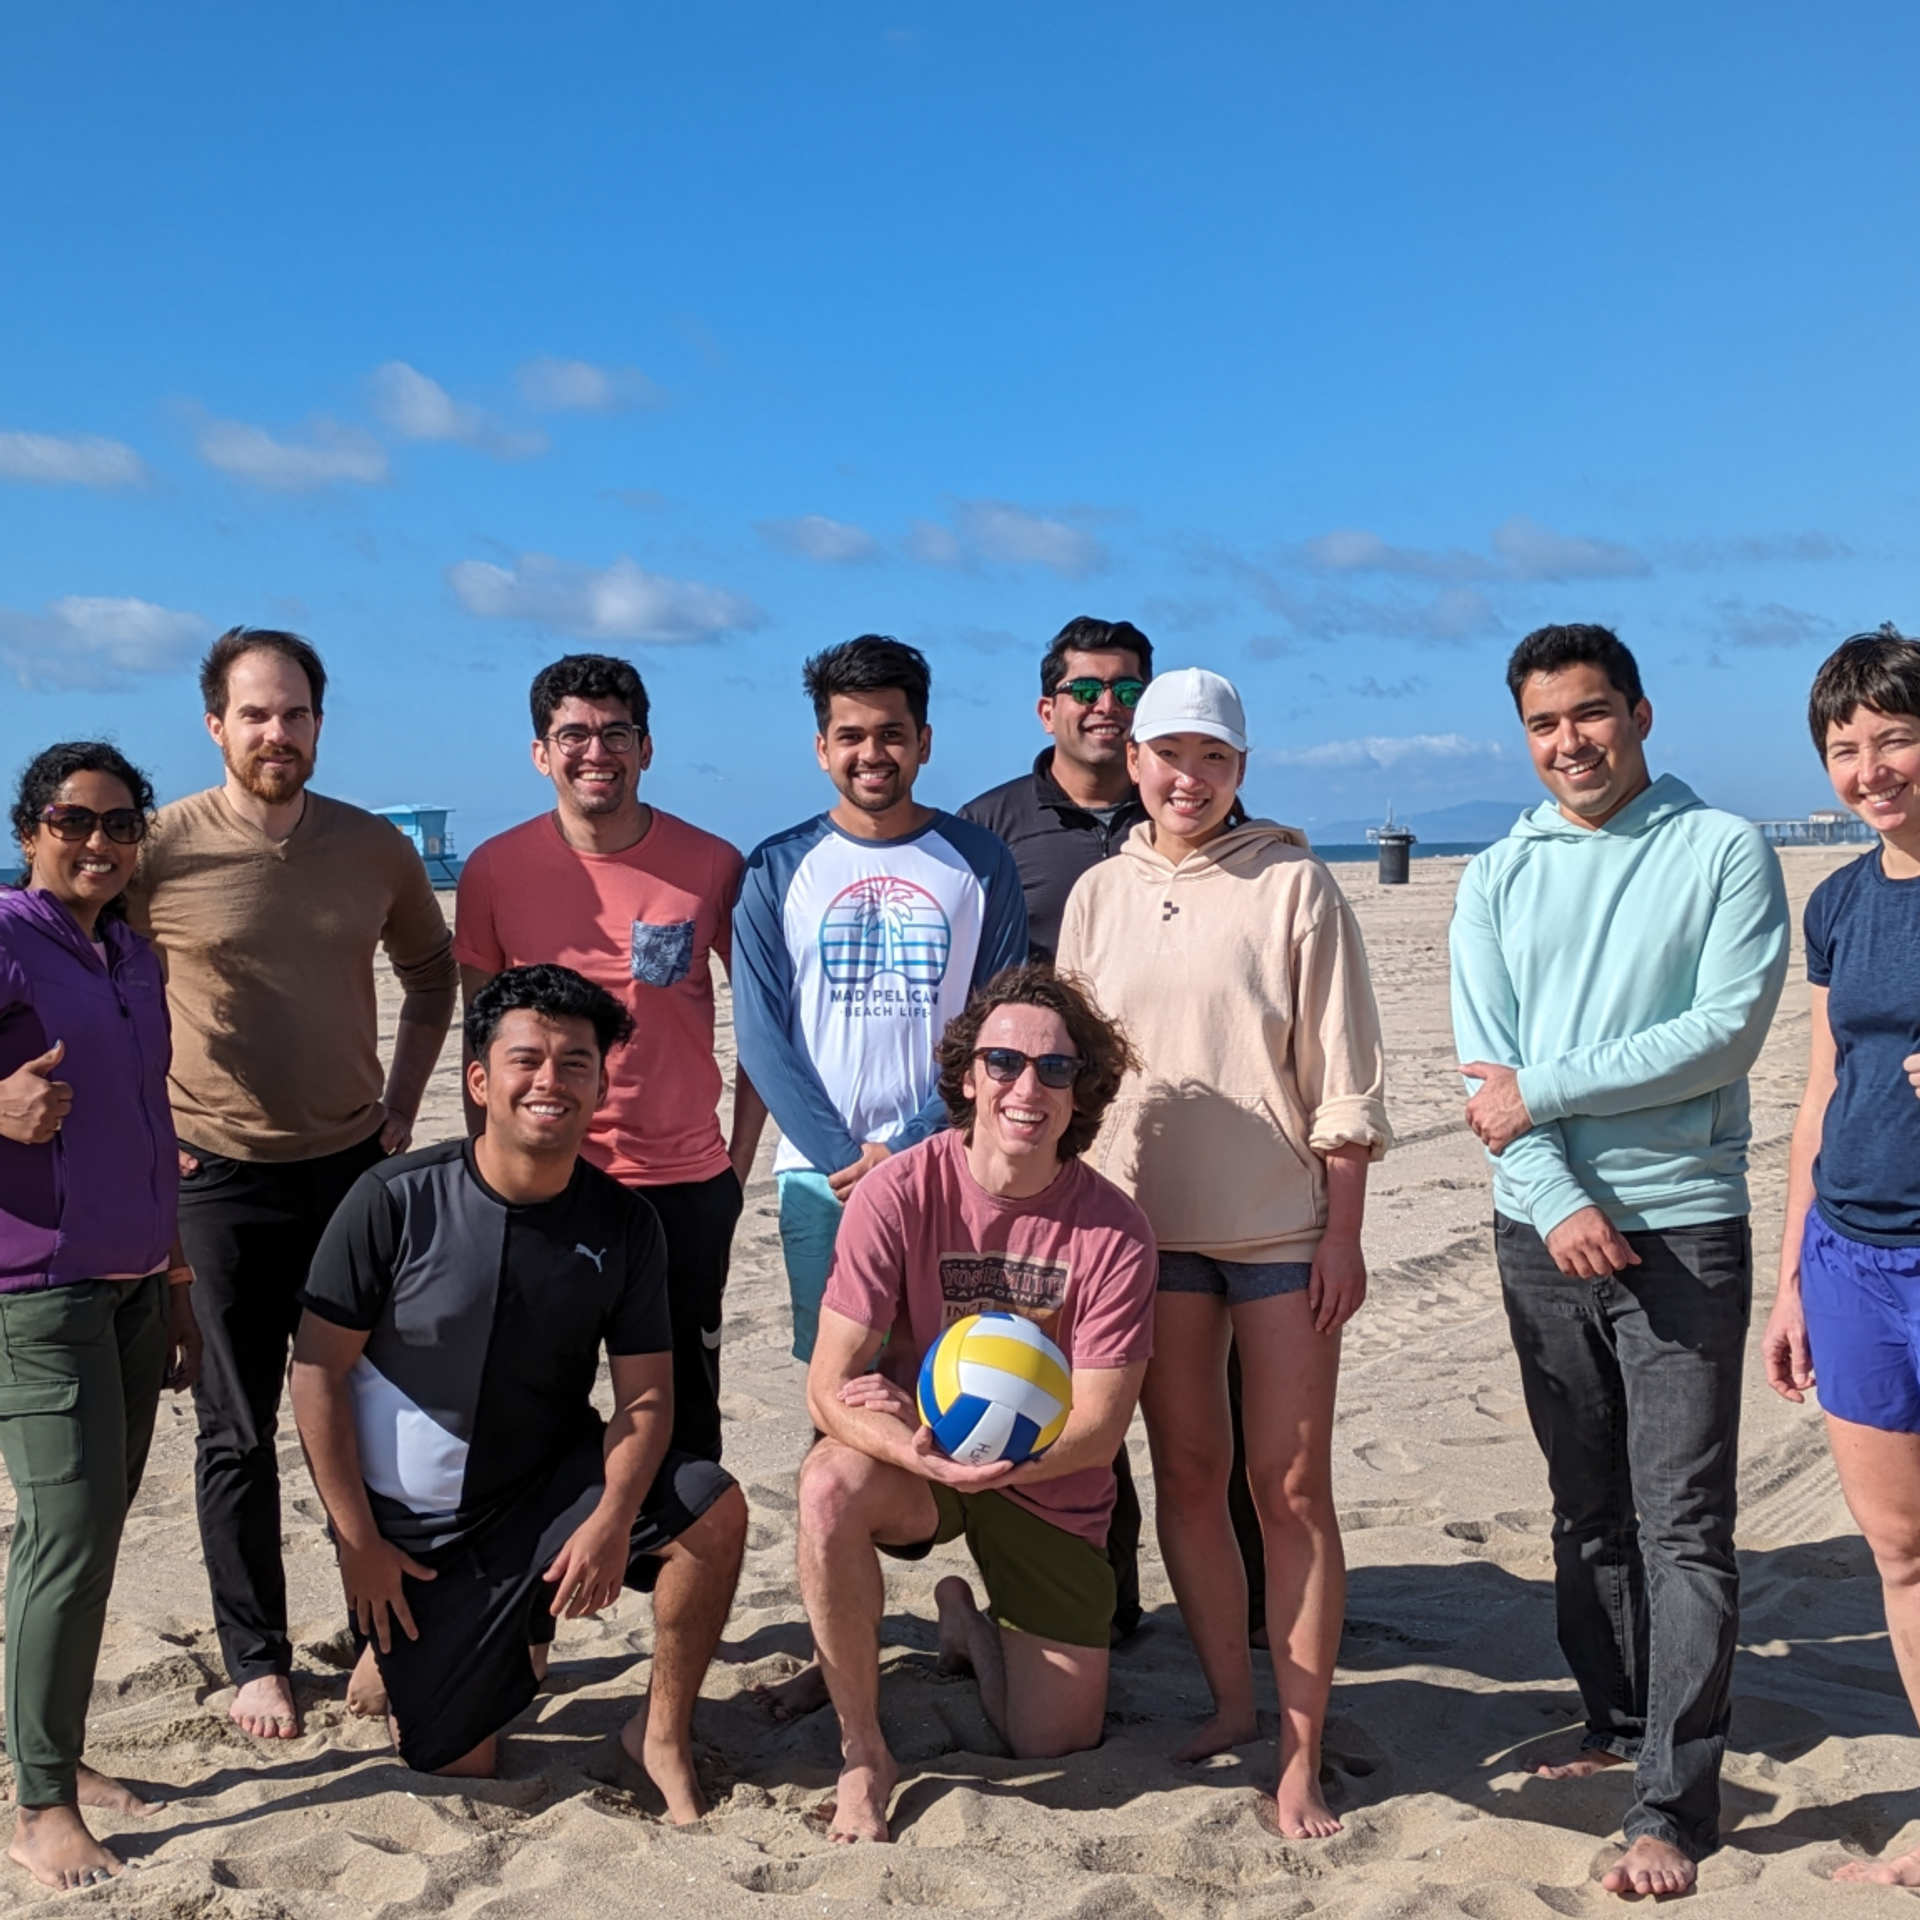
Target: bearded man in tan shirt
267, 903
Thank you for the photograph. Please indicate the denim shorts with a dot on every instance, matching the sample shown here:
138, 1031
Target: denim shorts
1863, 1324
1235, 1281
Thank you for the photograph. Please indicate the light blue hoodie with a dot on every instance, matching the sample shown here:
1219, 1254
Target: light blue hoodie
1630, 973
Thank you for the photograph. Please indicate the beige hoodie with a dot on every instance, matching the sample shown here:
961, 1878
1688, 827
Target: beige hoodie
1241, 981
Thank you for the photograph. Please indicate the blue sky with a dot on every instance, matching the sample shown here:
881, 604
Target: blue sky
1335, 345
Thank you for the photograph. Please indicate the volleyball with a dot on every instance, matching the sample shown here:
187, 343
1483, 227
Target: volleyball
994, 1387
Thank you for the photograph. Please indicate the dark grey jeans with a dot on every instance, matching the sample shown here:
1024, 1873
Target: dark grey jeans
1633, 1389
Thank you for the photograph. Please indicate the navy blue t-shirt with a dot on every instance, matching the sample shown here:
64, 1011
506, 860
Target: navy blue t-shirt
1863, 946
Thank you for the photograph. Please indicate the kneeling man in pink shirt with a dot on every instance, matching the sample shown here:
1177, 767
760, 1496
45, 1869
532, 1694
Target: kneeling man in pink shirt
997, 1214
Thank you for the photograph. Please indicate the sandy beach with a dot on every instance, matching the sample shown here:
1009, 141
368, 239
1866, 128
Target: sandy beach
1449, 1678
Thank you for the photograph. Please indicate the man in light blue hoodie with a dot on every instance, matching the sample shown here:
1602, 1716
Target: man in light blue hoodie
1616, 963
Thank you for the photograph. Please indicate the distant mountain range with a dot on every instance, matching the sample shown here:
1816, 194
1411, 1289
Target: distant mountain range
1470, 820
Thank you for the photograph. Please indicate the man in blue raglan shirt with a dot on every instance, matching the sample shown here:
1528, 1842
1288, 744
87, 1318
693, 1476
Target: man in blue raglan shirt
1616, 963
858, 935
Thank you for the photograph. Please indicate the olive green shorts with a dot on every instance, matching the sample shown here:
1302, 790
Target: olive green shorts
1040, 1579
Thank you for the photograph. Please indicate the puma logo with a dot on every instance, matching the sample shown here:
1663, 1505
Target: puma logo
599, 1259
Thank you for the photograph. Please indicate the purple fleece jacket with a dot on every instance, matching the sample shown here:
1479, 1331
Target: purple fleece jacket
101, 1196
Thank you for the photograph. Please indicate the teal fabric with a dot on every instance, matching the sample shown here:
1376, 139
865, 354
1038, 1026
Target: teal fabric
1630, 974
809, 1225
81, 1369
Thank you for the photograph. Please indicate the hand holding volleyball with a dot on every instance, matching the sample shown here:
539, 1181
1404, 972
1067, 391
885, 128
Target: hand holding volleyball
993, 1387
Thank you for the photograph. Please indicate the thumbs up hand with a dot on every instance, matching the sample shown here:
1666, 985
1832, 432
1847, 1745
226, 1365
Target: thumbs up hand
32, 1102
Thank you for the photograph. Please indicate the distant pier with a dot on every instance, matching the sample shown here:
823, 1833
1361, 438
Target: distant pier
1827, 827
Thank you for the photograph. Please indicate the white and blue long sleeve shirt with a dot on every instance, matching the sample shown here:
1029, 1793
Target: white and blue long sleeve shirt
849, 958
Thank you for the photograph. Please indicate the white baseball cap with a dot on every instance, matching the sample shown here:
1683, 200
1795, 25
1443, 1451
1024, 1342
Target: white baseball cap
1191, 700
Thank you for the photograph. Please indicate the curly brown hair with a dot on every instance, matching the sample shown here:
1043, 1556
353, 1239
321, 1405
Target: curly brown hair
1101, 1043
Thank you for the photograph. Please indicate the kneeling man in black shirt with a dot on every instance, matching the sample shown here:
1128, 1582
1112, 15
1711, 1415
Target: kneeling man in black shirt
443, 1379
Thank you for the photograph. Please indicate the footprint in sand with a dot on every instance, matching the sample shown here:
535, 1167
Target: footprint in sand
1497, 1403
1388, 1456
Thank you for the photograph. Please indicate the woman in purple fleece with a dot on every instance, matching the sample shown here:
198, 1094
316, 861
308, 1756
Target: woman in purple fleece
95, 1310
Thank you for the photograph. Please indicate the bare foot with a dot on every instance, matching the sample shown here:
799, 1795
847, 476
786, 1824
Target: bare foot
670, 1767
954, 1598
1577, 1766
1650, 1866
798, 1695
1224, 1730
1904, 1871
1300, 1808
113, 1796
53, 1844
860, 1813
265, 1709
366, 1691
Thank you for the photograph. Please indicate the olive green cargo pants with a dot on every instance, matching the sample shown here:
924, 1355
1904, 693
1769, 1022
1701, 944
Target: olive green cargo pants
81, 1369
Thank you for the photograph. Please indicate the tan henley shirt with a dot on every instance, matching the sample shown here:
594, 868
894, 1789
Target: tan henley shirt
268, 948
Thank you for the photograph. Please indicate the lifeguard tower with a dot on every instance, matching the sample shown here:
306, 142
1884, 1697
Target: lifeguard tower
426, 827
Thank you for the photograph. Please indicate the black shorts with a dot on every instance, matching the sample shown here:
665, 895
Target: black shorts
468, 1673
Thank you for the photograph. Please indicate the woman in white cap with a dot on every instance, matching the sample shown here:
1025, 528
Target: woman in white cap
1235, 964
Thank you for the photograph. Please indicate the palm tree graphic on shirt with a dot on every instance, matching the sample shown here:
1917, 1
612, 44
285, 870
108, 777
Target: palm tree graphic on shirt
884, 925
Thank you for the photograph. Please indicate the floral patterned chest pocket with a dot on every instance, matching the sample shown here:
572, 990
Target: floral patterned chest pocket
661, 956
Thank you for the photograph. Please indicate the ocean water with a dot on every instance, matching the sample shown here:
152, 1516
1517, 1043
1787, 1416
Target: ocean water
1422, 850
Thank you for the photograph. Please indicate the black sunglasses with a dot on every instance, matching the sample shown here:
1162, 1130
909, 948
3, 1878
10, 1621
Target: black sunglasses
125, 826
1127, 690
1055, 1070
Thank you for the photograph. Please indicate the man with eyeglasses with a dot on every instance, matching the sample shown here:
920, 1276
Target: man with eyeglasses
640, 903
269, 903
996, 1214
1078, 803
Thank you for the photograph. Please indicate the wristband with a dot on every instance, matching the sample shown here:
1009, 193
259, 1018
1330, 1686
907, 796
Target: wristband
179, 1276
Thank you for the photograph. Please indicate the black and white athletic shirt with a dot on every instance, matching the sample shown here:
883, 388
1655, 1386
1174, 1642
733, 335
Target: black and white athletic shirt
485, 1323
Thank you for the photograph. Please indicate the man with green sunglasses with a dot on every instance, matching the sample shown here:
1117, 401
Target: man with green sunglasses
1078, 803
1068, 814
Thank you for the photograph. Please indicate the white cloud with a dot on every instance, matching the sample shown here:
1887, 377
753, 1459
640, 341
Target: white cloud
1533, 552
1450, 617
813, 536
1385, 752
80, 460
620, 602
86, 640
419, 408
934, 545
578, 386
1522, 550
335, 456
1000, 531
1354, 550
1771, 625
1757, 549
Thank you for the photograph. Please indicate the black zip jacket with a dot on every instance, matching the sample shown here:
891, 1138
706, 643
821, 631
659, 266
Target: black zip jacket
1054, 842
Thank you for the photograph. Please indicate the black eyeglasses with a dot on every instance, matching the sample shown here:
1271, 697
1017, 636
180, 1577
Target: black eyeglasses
1127, 690
125, 826
574, 741
1055, 1070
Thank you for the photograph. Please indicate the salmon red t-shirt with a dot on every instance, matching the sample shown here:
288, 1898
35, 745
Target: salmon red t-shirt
643, 924
922, 1244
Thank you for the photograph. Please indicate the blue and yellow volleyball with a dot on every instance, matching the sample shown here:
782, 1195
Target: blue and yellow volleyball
994, 1387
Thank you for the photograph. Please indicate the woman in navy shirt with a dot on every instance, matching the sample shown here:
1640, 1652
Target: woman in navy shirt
1847, 1313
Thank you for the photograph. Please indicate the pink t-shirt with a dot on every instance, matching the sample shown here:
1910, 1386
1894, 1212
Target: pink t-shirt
922, 1244
642, 924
